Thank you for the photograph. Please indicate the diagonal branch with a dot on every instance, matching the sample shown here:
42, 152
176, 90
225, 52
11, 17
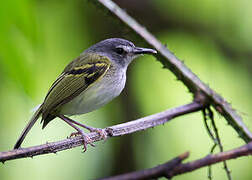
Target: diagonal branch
244, 150
193, 83
174, 167
117, 130
152, 173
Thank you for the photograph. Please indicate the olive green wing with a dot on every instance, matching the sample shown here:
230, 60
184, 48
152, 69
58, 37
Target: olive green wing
76, 77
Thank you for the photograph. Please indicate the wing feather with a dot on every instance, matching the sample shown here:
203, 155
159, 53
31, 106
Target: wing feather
76, 77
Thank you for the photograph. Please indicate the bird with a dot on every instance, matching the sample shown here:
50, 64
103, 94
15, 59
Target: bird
87, 83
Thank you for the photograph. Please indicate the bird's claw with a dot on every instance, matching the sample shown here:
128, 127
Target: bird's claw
86, 139
101, 132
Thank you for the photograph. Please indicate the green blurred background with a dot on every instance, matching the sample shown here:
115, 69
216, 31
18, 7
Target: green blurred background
39, 37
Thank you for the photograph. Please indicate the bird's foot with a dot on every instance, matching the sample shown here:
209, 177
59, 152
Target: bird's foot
86, 139
101, 132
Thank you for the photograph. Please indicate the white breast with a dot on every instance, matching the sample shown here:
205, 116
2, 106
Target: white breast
96, 95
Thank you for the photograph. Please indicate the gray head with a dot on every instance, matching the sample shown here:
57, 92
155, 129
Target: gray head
120, 51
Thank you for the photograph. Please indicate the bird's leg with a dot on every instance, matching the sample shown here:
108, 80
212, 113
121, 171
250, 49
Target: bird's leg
101, 132
86, 139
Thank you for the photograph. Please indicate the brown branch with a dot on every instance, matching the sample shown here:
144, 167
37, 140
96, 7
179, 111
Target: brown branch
174, 167
117, 130
212, 159
193, 83
152, 173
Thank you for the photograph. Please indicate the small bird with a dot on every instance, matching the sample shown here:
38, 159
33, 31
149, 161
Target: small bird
90, 81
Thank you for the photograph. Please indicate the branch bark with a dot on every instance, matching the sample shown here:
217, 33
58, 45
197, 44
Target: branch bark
193, 83
174, 167
152, 173
117, 130
244, 150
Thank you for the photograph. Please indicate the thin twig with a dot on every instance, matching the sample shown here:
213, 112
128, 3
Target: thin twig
214, 140
210, 167
117, 130
217, 137
193, 83
163, 171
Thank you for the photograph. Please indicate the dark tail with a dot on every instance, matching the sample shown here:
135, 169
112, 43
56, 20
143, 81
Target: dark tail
28, 127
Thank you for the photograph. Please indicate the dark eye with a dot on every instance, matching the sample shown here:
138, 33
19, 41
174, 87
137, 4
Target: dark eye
120, 50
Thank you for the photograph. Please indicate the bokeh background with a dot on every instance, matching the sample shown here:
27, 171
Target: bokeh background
39, 37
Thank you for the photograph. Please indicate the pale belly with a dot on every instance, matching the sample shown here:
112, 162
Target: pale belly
96, 95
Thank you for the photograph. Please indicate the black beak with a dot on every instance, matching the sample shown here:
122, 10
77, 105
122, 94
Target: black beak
139, 50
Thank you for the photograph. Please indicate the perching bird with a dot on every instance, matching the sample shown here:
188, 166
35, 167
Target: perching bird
88, 82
